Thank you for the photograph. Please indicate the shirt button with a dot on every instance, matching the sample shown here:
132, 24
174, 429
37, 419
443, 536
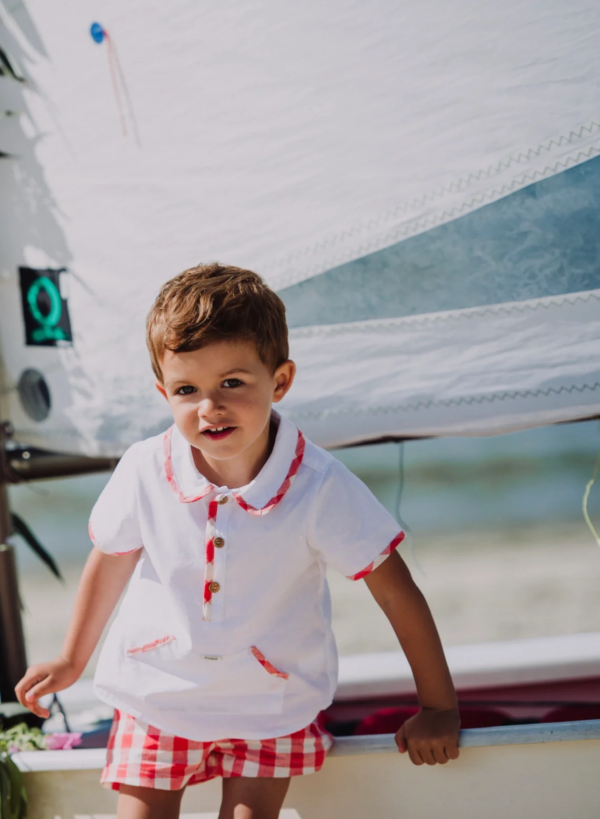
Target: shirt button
219, 542
214, 586
223, 500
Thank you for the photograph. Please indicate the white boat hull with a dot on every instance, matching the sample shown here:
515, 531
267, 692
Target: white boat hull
538, 772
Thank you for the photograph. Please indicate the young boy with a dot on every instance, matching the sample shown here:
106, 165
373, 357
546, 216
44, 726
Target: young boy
222, 656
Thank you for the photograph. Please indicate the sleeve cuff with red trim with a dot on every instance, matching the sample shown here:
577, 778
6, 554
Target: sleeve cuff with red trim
380, 558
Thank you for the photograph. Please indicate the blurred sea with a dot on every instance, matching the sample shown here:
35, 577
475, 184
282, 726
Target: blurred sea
497, 538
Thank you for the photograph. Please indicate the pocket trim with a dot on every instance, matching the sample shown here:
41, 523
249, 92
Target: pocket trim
267, 665
162, 641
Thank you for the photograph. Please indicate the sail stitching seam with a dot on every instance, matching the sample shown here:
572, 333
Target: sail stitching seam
469, 313
419, 225
450, 402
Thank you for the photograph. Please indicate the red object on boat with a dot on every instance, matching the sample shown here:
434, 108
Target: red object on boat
389, 720
572, 713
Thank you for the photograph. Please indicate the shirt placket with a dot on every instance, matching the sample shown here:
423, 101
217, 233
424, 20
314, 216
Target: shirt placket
215, 559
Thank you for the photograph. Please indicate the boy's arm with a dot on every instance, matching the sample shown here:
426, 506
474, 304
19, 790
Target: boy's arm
431, 735
102, 582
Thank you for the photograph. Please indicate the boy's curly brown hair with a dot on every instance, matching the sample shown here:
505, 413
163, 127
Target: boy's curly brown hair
213, 302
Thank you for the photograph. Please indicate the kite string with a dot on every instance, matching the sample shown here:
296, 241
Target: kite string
115, 81
586, 494
125, 89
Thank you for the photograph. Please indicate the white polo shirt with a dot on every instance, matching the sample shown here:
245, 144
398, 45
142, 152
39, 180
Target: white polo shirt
225, 627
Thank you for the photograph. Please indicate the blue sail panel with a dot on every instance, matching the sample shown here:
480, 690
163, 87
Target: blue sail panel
543, 240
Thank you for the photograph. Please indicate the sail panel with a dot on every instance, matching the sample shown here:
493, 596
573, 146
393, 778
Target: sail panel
480, 371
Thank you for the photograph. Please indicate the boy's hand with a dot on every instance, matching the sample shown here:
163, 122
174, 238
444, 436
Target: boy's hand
45, 678
431, 736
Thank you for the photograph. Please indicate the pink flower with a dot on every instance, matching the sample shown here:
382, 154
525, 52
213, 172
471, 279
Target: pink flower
63, 742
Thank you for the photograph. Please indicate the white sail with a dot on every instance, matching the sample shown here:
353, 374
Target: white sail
479, 371
301, 140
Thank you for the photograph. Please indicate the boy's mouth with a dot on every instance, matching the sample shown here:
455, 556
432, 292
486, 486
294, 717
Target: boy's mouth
217, 433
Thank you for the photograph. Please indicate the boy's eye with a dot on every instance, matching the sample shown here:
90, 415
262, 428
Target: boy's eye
230, 383
188, 390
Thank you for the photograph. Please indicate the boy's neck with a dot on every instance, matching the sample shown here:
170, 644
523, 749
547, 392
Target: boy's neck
237, 472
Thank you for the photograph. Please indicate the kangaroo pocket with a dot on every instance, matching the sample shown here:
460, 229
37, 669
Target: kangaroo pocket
241, 683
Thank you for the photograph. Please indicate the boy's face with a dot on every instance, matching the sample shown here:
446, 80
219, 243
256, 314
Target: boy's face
221, 397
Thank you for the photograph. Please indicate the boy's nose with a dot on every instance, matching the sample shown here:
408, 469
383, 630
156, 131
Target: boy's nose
210, 406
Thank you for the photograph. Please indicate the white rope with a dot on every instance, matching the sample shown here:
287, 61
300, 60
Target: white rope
586, 494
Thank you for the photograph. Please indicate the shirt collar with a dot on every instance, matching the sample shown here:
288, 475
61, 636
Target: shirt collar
261, 494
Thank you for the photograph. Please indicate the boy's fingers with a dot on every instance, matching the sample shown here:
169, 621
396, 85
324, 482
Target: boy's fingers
20, 694
401, 740
36, 708
38, 690
452, 751
35, 692
428, 756
39, 710
25, 685
33, 705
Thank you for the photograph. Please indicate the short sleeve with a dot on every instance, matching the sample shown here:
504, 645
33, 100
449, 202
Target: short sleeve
350, 528
114, 525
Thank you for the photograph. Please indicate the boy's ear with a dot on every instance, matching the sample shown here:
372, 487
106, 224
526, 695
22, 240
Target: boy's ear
161, 389
284, 378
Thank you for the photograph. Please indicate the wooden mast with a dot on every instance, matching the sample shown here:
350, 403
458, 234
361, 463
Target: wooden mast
13, 660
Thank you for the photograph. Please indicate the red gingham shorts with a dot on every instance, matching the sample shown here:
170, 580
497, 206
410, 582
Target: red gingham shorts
141, 755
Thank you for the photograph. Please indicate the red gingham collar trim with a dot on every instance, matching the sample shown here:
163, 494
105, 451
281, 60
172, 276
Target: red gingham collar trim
287, 482
258, 497
170, 475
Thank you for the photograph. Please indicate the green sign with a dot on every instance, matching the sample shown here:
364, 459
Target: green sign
45, 311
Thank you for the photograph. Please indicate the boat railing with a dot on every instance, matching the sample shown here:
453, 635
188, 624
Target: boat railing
93, 758
480, 737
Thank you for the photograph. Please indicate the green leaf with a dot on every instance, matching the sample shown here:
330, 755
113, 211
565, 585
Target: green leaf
13, 799
21, 528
